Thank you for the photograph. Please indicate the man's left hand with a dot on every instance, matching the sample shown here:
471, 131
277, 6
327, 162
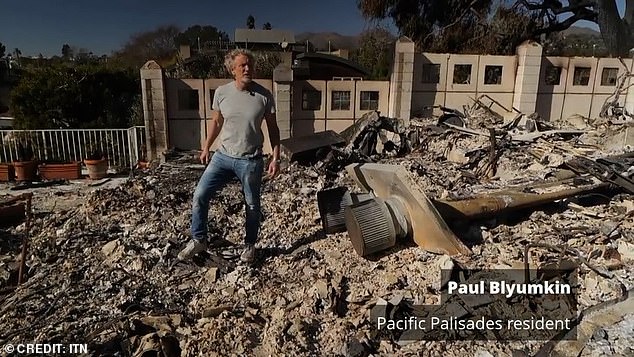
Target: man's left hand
274, 168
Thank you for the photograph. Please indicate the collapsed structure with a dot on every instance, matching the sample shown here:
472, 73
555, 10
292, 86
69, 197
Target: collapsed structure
358, 225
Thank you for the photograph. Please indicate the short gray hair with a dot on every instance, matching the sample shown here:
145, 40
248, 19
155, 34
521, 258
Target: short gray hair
231, 56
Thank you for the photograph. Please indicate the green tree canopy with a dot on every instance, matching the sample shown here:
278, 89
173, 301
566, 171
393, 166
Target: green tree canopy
75, 96
67, 51
158, 45
251, 22
424, 21
376, 47
465, 26
204, 34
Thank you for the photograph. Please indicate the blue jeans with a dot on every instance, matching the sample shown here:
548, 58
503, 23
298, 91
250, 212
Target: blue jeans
218, 173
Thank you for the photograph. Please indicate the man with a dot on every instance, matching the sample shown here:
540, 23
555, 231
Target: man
238, 110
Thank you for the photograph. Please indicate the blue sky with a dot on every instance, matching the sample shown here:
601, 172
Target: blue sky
36, 26
43, 26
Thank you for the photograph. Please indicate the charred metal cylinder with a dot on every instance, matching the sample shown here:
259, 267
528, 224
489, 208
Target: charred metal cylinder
375, 225
332, 204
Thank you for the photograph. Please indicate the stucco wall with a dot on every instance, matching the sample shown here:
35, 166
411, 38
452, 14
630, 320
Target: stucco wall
521, 86
324, 116
418, 81
188, 129
568, 98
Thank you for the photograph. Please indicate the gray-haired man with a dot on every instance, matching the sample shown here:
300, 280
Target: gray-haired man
238, 110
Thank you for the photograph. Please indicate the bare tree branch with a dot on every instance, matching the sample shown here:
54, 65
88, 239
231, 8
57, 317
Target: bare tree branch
563, 25
455, 22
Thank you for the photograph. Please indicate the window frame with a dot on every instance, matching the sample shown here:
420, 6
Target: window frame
369, 101
614, 70
457, 69
343, 104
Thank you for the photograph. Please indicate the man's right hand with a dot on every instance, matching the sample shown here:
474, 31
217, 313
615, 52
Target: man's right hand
204, 157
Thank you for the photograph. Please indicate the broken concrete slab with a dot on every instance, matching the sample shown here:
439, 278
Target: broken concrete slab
305, 148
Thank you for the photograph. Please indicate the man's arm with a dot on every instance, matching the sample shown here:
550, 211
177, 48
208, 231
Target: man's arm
216, 125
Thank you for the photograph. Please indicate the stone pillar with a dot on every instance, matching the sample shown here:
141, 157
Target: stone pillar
529, 61
282, 84
402, 79
629, 96
154, 110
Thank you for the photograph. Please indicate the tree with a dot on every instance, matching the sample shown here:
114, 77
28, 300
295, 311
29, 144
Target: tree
617, 32
267, 26
453, 25
375, 51
67, 52
158, 45
2, 50
251, 22
65, 95
205, 65
195, 35
424, 21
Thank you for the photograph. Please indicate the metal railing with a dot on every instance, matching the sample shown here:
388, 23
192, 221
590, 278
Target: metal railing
122, 147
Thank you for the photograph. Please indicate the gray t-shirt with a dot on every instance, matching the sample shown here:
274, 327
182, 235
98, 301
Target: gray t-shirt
243, 112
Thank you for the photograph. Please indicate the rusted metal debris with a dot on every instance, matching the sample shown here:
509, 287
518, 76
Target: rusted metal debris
402, 207
395, 207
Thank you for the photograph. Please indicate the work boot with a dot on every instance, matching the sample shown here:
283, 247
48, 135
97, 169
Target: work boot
248, 254
193, 247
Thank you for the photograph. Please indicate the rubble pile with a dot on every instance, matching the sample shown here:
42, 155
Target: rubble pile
104, 271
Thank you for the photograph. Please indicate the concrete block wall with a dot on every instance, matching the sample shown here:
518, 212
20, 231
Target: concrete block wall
524, 82
456, 80
329, 117
572, 95
522, 85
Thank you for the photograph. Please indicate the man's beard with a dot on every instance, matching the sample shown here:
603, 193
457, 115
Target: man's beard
246, 79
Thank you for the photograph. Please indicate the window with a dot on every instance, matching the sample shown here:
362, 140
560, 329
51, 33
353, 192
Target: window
311, 100
552, 76
431, 73
492, 74
369, 100
462, 74
608, 76
581, 77
340, 100
188, 99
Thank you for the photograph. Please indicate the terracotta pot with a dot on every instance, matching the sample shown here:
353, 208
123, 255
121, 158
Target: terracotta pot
25, 170
97, 169
67, 171
142, 165
7, 173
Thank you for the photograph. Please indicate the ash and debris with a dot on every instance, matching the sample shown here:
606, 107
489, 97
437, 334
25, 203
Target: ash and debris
102, 270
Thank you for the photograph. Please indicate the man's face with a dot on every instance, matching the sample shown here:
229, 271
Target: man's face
242, 69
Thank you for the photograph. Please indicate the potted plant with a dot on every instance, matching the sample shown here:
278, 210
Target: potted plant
7, 172
97, 163
143, 163
60, 170
26, 166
